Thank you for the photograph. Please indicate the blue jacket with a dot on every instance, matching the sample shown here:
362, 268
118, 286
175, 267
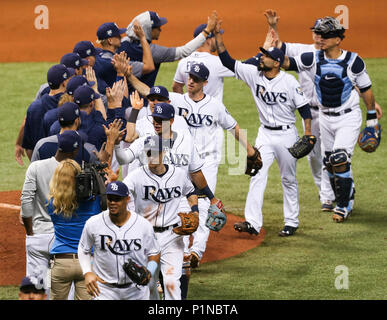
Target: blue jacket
33, 130
68, 231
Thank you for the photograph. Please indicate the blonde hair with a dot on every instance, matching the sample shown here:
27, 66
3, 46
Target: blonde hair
65, 98
62, 188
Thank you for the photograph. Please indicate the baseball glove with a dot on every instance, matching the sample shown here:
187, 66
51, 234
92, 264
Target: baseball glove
138, 274
302, 146
254, 163
369, 138
189, 223
216, 218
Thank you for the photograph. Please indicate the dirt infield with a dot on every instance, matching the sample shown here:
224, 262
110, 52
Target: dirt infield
245, 27
221, 245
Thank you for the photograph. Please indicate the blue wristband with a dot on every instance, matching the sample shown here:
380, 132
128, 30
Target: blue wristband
371, 114
195, 208
207, 191
152, 267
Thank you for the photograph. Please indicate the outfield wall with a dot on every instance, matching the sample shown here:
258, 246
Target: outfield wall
46, 30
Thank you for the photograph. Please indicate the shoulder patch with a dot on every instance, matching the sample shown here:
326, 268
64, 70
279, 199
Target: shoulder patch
358, 65
307, 58
299, 91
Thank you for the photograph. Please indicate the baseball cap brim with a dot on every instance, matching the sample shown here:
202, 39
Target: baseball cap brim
84, 62
161, 116
196, 75
71, 71
264, 51
161, 22
122, 30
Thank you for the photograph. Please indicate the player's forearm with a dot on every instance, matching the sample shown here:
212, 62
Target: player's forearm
189, 47
27, 222
224, 56
308, 127
141, 87
99, 106
147, 57
178, 87
193, 201
369, 99
241, 137
19, 138
131, 133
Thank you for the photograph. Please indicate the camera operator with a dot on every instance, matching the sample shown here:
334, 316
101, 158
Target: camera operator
69, 215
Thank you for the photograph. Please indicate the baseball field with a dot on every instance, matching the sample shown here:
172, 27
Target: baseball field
324, 260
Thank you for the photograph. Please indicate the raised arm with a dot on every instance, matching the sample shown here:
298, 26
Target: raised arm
137, 103
90, 76
224, 56
147, 58
272, 20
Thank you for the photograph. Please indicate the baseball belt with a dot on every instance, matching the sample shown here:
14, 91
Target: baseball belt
278, 128
162, 229
336, 114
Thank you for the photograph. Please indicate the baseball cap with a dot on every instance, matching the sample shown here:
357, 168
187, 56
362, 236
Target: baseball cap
73, 60
200, 29
117, 188
199, 70
84, 95
57, 74
85, 49
163, 111
69, 141
153, 143
68, 112
76, 82
27, 285
156, 20
274, 53
158, 91
109, 30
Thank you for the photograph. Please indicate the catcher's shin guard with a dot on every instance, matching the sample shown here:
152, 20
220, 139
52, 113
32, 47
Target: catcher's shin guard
329, 168
344, 189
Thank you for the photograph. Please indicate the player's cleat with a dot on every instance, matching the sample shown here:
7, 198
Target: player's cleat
245, 227
327, 206
287, 231
340, 214
194, 260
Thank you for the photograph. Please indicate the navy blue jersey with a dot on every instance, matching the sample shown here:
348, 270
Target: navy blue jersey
33, 129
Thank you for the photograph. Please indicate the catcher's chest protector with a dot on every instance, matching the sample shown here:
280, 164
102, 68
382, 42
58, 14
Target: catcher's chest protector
333, 85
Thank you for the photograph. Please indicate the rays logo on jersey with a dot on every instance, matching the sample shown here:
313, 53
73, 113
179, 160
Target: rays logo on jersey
196, 120
270, 98
119, 247
177, 160
161, 195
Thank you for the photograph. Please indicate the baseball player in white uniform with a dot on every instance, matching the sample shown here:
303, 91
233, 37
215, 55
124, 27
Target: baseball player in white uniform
113, 236
277, 95
204, 115
157, 189
336, 72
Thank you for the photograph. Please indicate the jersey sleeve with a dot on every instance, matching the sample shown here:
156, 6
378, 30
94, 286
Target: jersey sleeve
196, 162
28, 192
226, 120
295, 49
180, 72
162, 54
245, 72
223, 72
187, 186
151, 244
87, 241
362, 79
296, 94
137, 67
304, 61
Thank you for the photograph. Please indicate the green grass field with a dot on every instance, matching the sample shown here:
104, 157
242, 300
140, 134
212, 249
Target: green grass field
299, 267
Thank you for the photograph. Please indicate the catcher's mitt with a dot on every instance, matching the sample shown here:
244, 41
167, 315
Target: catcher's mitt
369, 138
138, 274
189, 223
216, 218
254, 163
302, 146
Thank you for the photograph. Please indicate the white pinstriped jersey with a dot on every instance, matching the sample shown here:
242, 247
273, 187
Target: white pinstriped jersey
113, 245
218, 72
276, 99
183, 152
203, 118
157, 198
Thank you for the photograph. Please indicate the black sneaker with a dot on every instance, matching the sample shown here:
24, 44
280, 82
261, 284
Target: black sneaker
287, 231
245, 227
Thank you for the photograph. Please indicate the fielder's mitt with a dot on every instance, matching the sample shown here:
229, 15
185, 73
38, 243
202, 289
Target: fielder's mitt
189, 223
138, 274
254, 163
369, 138
216, 218
303, 146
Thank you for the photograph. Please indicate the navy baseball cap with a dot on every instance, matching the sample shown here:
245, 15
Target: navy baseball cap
158, 91
163, 111
73, 60
117, 188
69, 141
156, 20
76, 82
109, 30
84, 95
85, 49
68, 112
200, 29
274, 53
27, 285
57, 74
199, 70
153, 143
